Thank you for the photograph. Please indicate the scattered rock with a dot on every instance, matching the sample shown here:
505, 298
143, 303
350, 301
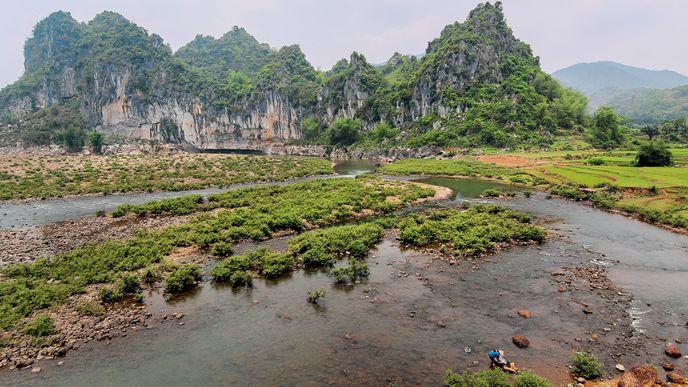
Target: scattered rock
668, 366
525, 313
23, 363
520, 341
672, 351
441, 324
639, 376
36, 370
620, 367
675, 378
580, 380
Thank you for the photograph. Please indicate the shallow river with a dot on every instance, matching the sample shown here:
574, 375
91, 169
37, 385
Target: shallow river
386, 330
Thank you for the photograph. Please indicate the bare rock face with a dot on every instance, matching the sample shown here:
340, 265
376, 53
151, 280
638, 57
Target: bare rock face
520, 341
639, 376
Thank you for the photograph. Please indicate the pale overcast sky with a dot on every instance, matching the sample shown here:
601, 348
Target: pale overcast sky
645, 33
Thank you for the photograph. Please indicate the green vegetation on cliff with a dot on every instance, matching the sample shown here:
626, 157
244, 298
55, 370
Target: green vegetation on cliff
476, 85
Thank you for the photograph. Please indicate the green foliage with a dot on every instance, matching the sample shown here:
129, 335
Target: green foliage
223, 271
95, 141
182, 277
586, 365
383, 131
72, 138
311, 128
356, 269
528, 378
485, 378
183, 205
654, 155
344, 132
491, 193
90, 308
315, 295
651, 105
473, 231
236, 51
40, 326
606, 131
69, 175
454, 167
109, 295
51, 125
222, 249
129, 284
323, 247
595, 161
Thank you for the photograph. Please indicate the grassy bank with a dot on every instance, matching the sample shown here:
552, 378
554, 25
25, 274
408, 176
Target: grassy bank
607, 180
42, 177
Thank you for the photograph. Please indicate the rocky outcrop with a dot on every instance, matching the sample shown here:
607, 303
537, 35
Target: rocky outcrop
236, 93
640, 376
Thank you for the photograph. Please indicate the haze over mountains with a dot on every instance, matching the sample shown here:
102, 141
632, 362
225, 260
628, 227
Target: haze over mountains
640, 94
593, 77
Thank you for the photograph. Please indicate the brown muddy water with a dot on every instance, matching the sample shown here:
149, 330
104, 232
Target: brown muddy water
386, 329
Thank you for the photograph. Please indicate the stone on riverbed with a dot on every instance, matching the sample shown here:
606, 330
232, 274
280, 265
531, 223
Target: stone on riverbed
673, 351
520, 341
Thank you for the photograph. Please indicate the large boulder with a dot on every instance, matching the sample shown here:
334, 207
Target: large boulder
639, 376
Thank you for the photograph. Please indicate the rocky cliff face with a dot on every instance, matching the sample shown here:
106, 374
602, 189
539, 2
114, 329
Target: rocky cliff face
233, 92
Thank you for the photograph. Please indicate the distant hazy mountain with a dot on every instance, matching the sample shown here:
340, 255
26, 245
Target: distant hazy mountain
640, 94
647, 105
592, 77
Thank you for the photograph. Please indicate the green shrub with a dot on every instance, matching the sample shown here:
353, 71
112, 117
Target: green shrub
41, 326
90, 308
222, 249
528, 378
315, 295
340, 274
109, 295
182, 277
595, 161
273, 264
241, 278
223, 271
129, 284
491, 193
95, 140
151, 275
485, 378
321, 248
471, 232
586, 365
654, 155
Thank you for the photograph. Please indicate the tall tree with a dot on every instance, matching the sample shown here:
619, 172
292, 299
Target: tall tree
606, 131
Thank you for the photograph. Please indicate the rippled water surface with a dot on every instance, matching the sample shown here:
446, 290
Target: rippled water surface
386, 329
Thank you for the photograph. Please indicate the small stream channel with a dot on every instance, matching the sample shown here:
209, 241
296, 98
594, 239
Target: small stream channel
386, 329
